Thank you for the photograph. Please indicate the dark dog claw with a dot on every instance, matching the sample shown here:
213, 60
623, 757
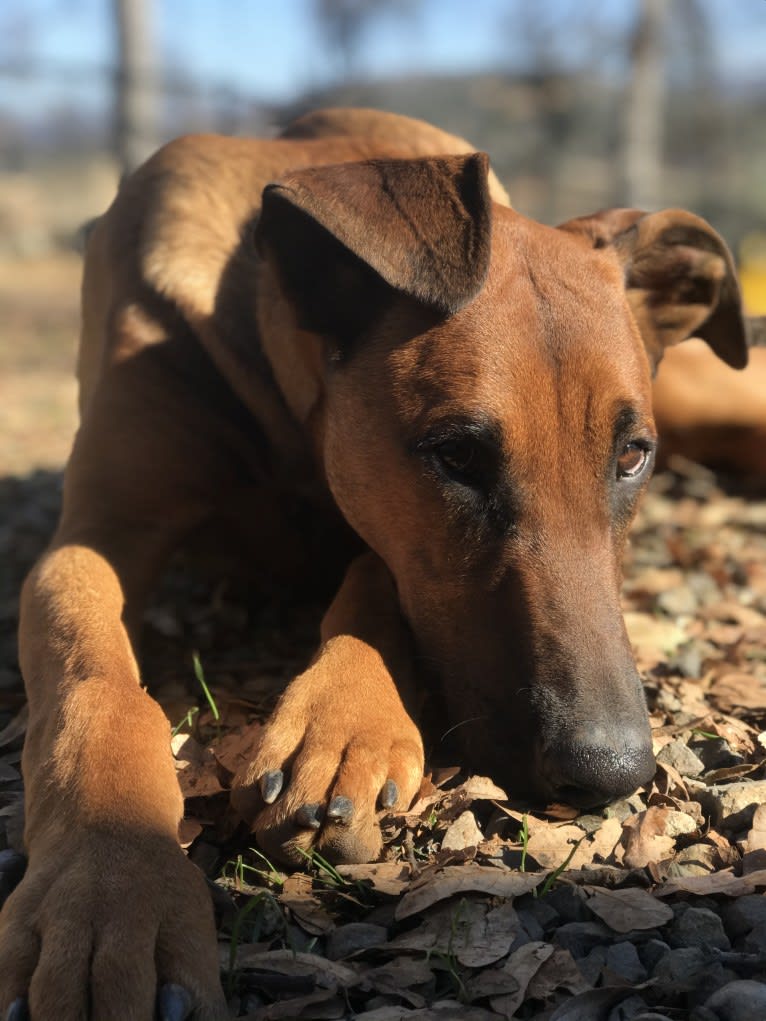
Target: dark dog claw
389, 795
18, 1010
341, 810
308, 817
271, 785
174, 1002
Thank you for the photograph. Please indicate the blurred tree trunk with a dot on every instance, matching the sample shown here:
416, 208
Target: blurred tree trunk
136, 111
642, 146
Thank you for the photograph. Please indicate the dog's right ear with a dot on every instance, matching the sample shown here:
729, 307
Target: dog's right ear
344, 236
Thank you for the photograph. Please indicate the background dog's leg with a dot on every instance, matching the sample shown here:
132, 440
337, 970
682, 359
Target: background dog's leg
110, 912
340, 745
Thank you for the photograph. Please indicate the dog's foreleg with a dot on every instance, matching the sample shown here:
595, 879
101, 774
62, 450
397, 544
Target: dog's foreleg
340, 746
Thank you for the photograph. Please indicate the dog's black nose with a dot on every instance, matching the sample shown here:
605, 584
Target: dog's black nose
586, 773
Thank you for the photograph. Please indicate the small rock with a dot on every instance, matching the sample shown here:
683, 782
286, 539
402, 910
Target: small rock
744, 914
652, 952
694, 860
531, 926
678, 824
755, 940
538, 910
348, 939
698, 927
650, 1016
688, 660
741, 1000
592, 965
462, 833
732, 806
624, 808
702, 1014
680, 968
623, 961
569, 903
715, 753
579, 938
681, 758
627, 1009
677, 602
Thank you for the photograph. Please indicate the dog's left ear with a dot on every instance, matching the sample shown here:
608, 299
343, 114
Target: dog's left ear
342, 236
679, 276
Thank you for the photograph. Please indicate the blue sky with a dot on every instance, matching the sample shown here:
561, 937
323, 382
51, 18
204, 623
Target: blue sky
271, 49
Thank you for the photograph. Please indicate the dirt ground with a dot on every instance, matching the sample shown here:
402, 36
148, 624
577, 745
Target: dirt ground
480, 909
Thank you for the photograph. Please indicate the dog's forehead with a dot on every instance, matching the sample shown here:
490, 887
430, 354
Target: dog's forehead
552, 317
557, 279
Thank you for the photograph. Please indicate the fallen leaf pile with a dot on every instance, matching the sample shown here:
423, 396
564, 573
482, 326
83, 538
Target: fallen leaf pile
653, 908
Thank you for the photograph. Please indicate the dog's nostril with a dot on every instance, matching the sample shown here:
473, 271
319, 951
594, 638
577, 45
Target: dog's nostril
586, 775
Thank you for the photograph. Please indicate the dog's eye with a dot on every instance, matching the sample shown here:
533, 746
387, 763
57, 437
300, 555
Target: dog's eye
458, 458
632, 460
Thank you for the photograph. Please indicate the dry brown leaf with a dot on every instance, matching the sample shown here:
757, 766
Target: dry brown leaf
327, 974
670, 782
298, 896
627, 908
468, 878
644, 838
481, 788
551, 844
196, 768
756, 838
294, 1007
188, 831
523, 965
397, 976
387, 877
605, 842
236, 747
653, 637
559, 972
489, 937
730, 611
725, 883
739, 690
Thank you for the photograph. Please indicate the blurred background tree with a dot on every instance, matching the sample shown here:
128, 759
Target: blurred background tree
580, 103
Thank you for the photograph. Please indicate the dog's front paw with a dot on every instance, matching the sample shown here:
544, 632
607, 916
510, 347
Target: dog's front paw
337, 751
113, 929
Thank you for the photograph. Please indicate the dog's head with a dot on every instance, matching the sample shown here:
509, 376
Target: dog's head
478, 387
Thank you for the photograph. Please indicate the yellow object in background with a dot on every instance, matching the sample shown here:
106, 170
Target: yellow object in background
752, 272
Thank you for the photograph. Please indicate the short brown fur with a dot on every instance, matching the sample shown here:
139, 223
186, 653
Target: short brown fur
433, 380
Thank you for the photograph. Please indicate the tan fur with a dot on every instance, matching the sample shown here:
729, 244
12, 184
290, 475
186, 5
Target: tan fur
254, 356
710, 413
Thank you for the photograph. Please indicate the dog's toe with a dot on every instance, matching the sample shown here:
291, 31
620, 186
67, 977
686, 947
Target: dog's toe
389, 795
18, 1010
340, 810
271, 784
174, 1003
308, 817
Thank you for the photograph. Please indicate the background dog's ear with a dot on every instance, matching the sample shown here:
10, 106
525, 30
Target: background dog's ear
343, 236
680, 278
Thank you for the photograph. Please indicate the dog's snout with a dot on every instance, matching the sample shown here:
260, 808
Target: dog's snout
589, 771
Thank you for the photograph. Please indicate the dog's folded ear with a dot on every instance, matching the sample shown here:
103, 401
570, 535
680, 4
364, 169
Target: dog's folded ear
679, 275
344, 235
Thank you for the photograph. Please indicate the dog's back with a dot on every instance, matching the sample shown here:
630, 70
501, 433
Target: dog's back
180, 225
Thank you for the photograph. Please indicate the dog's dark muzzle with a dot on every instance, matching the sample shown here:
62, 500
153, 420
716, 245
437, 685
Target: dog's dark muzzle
594, 765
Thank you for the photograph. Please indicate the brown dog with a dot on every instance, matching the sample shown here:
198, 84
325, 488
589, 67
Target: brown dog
394, 363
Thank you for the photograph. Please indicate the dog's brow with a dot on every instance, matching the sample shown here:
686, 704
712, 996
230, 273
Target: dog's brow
627, 422
485, 429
